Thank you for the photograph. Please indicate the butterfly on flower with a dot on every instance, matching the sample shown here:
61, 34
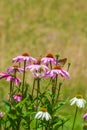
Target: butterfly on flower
61, 62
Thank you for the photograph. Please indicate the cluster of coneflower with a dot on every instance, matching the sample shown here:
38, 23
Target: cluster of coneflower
30, 103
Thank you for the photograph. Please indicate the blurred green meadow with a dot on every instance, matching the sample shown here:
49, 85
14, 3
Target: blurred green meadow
42, 26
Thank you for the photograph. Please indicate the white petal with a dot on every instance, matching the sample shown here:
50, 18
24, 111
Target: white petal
48, 116
43, 116
81, 103
73, 101
38, 115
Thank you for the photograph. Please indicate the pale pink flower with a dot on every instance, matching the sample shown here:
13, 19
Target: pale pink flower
49, 59
17, 97
14, 69
24, 57
38, 71
57, 70
9, 77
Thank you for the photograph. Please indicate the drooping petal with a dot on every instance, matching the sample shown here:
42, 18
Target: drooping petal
65, 74
73, 101
80, 102
3, 75
9, 78
38, 115
48, 117
17, 80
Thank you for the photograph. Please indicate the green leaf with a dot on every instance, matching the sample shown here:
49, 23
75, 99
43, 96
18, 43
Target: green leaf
59, 105
60, 124
7, 104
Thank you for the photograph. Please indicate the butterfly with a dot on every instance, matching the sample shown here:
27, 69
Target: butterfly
38, 60
61, 62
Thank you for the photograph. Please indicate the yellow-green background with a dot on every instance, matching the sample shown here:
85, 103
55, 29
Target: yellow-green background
42, 26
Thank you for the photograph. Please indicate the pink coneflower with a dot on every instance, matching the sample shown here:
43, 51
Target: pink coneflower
58, 70
9, 77
24, 57
14, 69
17, 97
38, 71
49, 59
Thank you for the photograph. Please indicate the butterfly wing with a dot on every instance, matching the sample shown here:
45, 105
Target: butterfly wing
61, 62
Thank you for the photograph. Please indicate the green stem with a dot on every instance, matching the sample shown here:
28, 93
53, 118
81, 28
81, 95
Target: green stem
36, 125
53, 91
5, 126
60, 84
38, 90
33, 88
10, 90
42, 128
54, 88
68, 66
62, 124
18, 127
45, 128
74, 118
23, 77
29, 123
10, 95
28, 118
56, 80
13, 82
0, 125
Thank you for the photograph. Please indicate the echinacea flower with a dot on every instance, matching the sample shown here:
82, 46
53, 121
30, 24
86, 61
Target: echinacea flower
14, 69
1, 114
85, 116
9, 77
49, 59
79, 101
17, 97
38, 71
24, 57
58, 70
43, 114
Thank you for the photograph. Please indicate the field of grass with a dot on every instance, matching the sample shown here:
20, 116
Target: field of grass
42, 26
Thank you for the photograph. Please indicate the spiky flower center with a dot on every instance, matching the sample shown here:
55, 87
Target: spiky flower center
15, 66
49, 55
25, 54
57, 67
43, 109
18, 95
79, 96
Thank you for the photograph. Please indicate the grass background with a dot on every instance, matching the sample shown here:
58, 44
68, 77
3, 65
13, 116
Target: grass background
42, 26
